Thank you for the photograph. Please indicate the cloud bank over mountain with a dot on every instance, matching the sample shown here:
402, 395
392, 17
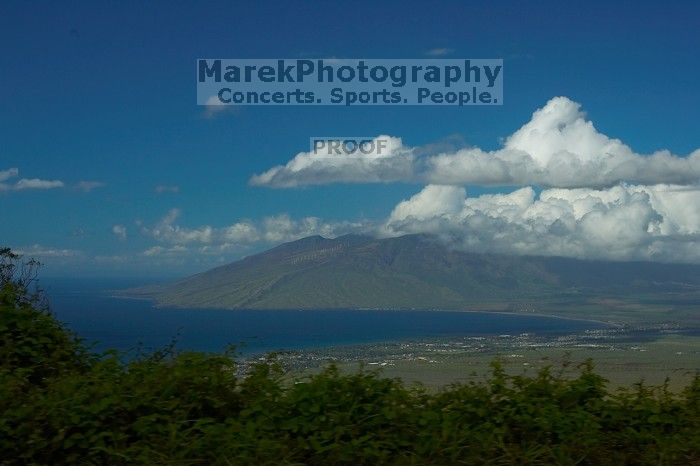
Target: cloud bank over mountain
626, 222
601, 199
270, 230
660, 222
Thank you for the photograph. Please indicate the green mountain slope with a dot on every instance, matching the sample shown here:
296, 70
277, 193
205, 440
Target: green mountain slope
413, 271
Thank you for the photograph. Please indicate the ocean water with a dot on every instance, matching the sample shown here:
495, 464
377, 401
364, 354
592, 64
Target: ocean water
125, 324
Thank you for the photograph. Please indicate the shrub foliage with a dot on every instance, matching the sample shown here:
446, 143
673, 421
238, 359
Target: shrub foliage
60, 404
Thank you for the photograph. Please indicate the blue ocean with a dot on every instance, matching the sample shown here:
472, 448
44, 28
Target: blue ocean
90, 309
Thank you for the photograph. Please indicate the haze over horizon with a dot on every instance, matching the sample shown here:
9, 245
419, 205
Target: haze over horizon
113, 170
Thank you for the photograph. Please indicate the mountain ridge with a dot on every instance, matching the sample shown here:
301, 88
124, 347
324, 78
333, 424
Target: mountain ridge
412, 272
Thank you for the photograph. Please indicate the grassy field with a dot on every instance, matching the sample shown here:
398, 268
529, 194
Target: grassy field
674, 356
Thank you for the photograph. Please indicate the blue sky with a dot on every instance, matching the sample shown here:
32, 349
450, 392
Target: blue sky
104, 93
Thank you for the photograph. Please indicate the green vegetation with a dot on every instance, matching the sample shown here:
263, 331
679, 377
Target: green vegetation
60, 404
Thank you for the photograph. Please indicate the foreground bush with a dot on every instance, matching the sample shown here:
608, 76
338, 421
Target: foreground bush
61, 405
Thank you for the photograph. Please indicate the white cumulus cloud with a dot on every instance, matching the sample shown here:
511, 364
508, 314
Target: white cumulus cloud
87, 186
393, 163
38, 251
558, 147
268, 230
25, 183
660, 222
214, 107
7, 174
119, 231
